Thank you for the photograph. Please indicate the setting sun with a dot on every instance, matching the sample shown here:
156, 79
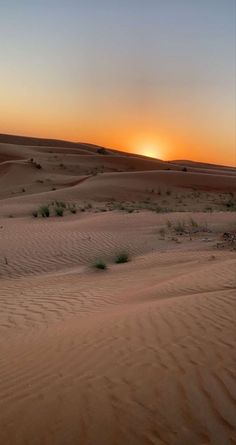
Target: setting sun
150, 146
151, 151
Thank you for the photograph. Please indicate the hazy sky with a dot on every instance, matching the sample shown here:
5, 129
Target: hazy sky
150, 76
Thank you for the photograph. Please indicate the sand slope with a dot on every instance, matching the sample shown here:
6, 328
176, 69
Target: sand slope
141, 353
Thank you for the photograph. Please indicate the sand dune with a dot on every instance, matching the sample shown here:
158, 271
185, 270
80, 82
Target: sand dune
141, 353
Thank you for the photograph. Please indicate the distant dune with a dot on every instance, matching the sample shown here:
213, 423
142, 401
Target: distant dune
143, 352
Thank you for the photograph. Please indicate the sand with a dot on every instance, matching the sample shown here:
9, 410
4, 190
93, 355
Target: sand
142, 352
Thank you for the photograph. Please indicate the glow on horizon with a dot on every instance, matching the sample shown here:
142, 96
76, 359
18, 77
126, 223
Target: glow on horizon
154, 78
150, 151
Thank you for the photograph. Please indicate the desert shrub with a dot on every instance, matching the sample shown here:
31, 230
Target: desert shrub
179, 227
44, 211
100, 264
35, 214
102, 151
230, 204
122, 257
184, 169
60, 204
59, 211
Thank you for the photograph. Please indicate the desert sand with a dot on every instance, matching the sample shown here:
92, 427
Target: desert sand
142, 353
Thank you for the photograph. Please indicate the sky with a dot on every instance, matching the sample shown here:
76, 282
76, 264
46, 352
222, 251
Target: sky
154, 77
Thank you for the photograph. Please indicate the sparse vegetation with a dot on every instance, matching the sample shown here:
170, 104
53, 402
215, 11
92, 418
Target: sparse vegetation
180, 227
59, 211
136, 206
44, 211
230, 204
58, 208
122, 257
102, 151
100, 264
60, 204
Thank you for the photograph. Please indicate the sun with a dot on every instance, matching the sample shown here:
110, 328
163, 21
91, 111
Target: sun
149, 150
151, 147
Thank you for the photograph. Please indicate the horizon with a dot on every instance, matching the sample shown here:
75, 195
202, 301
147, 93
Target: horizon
155, 79
111, 148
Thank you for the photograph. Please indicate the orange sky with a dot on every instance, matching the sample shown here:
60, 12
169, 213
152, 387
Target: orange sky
177, 136
149, 78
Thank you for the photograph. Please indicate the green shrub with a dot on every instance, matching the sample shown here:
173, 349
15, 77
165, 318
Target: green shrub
100, 264
122, 257
59, 211
44, 211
